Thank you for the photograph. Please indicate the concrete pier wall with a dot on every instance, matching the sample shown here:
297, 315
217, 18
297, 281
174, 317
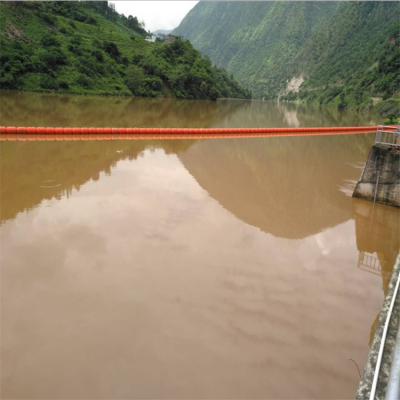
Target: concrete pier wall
380, 179
385, 375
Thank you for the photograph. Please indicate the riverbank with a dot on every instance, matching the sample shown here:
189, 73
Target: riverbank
116, 95
386, 376
388, 109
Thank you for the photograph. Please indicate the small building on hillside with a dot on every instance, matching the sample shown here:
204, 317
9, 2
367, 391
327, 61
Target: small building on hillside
161, 37
151, 38
170, 39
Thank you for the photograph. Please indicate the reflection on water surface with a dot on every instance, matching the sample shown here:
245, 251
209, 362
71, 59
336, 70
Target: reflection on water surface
42, 109
189, 269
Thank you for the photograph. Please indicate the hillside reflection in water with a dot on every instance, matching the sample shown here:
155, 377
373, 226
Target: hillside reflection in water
188, 269
41, 109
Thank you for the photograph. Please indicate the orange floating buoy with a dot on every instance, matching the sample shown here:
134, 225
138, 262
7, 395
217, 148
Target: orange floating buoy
175, 133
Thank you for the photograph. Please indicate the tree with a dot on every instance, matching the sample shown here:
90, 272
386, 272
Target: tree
132, 23
112, 49
134, 78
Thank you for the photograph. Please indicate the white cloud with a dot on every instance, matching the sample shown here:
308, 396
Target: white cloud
156, 14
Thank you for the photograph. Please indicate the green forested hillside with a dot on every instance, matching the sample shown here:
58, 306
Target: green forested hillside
87, 47
354, 59
336, 47
255, 40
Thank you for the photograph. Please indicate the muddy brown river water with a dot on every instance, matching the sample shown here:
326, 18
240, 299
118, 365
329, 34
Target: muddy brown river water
225, 268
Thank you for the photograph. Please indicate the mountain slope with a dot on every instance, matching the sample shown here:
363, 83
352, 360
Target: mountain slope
352, 41
353, 58
329, 44
87, 47
254, 40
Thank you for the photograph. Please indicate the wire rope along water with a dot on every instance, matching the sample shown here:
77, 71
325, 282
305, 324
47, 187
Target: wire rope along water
12, 130
383, 341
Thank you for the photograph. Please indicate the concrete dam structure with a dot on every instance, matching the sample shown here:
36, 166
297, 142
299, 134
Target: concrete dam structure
380, 183
380, 178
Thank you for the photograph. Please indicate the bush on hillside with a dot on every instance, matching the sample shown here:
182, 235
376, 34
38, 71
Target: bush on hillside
112, 49
7, 81
98, 55
48, 19
63, 85
52, 57
134, 79
83, 81
47, 82
34, 64
49, 40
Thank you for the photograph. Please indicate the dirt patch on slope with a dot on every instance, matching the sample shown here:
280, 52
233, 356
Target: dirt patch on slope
13, 33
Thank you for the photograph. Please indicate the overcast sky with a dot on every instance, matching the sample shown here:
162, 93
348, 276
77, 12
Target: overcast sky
156, 14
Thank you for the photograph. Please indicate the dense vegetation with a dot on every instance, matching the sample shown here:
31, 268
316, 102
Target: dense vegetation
347, 52
87, 47
354, 59
255, 41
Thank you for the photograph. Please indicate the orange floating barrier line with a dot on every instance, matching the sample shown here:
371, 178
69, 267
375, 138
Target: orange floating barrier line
58, 133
